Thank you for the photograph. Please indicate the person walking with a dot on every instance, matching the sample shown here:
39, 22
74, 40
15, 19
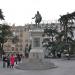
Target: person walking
19, 58
16, 58
4, 60
8, 61
26, 51
12, 60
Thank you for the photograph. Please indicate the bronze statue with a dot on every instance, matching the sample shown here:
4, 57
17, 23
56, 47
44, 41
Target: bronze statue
38, 19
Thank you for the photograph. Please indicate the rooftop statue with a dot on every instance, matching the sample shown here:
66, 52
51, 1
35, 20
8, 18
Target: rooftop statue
37, 18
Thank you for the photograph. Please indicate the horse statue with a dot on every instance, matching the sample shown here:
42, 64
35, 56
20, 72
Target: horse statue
37, 18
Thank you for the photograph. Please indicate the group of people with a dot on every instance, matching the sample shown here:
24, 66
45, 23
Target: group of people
9, 60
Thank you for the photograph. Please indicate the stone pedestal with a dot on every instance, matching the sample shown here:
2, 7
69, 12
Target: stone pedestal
36, 42
36, 55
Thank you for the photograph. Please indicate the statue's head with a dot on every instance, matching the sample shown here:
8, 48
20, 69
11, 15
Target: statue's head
37, 12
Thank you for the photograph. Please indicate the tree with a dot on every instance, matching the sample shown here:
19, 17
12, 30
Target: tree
5, 33
66, 21
49, 41
2, 18
15, 39
1, 15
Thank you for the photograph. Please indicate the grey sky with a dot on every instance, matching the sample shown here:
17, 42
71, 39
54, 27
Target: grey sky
21, 11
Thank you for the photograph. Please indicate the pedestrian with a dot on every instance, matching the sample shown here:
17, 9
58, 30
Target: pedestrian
26, 51
29, 47
8, 61
4, 60
19, 58
59, 54
12, 60
16, 58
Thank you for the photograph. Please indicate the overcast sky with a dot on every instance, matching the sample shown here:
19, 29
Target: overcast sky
21, 12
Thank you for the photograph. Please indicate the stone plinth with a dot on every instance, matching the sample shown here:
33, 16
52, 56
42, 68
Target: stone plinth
36, 42
36, 55
39, 65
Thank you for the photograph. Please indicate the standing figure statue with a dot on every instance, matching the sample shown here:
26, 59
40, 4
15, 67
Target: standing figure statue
37, 18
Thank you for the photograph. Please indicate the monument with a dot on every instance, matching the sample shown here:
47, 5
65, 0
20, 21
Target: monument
36, 40
36, 53
36, 59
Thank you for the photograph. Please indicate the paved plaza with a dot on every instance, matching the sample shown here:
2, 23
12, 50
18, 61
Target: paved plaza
64, 67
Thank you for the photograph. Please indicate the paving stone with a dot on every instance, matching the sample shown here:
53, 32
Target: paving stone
64, 67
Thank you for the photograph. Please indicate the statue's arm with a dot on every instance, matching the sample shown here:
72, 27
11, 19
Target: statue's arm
33, 17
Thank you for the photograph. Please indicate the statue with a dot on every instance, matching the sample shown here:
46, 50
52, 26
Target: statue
38, 19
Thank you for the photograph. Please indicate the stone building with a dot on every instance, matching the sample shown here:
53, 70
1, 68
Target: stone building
17, 42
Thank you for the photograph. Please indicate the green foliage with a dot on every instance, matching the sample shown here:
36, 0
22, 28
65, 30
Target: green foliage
15, 39
64, 39
5, 32
50, 42
1, 15
66, 21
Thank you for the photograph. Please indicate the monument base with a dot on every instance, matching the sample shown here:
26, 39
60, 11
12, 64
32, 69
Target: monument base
36, 53
36, 61
39, 65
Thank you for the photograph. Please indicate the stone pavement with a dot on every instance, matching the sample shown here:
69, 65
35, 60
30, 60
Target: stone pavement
64, 67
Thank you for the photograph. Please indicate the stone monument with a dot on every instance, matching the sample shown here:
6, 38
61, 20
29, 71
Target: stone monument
36, 40
36, 59
36, 53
